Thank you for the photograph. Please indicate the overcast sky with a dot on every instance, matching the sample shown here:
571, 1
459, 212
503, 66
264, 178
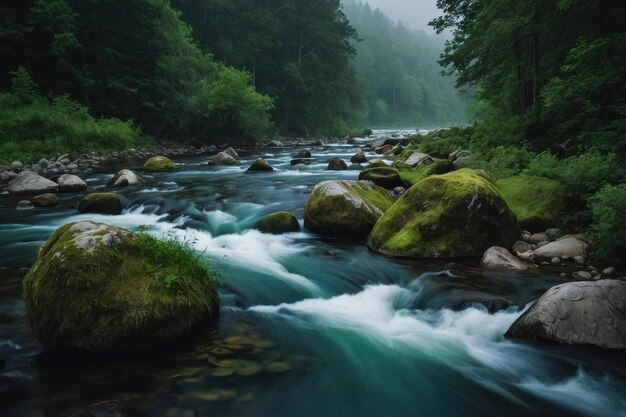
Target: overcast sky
415, 13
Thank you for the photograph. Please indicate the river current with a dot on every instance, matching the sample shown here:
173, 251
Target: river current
310, 325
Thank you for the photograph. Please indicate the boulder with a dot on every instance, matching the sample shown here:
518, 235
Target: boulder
232, 153
458, 214
160, 163
418, 158
501, 259
101, 203
521, 246
29, 182
568, 248
359, 158
554, 234
582, 275
303, 154
538, 238
98, 288
223, 158
45, 200
125, 178
384, 150
260, 165
302, 161
274, 144
277, 223
345, 208
538, 203
587, 313
337, 164
411, 175
16, 166
69, 183
386, 177
24, 204
377, 163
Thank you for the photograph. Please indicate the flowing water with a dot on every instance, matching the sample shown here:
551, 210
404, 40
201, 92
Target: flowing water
310, 326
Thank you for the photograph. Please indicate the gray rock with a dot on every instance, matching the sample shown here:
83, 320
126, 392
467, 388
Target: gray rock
568, 248
303, 161
260, 165
501, 259
579, 314
64, 156
582, 275
7, 176
303, 154
71, 183
24, 204
541, 244
526, 236
29, 182
538, 238
580, 260
418, 158
521, 247
274, 144
359, 158
63, 161
16, 166
72, 167
609, 272
554, 234
43, 163
223, 158
555, 261
124, 178
45, 200
466, 162
337, 164
231, 152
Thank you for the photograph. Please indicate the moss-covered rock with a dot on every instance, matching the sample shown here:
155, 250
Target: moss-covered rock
377, 163
100, 288
538, 203
386, 177
101, 203
260, 165
411, 175
453, 215
345, 208
281, 222
160, 163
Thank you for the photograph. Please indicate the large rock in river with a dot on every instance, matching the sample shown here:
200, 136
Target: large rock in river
160, 163
588, 313
101, 203
96, 287
260, 165
281, 222
453, 215
124, 178
69, 183
29, 182
345, 208
386, 177
501, 259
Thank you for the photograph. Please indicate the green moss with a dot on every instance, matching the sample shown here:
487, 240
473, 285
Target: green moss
134, 292
386, 177
345, 208
281, 222
411, 175
539, 203
377, 163
457, 214
101, 203
160, 163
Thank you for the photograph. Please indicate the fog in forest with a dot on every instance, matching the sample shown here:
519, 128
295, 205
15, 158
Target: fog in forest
414, 13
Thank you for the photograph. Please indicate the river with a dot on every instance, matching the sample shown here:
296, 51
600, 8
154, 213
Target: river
347, 332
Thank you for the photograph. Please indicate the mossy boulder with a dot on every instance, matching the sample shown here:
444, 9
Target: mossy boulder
538, 203
160, 163
345, 208
277, 223
99, 288
459, 214
260, 165
377, 163
101, 203
386, 177
411, 175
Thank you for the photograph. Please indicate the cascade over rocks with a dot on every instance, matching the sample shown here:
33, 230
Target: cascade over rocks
96, 288
458, 214
587, 313
345, 208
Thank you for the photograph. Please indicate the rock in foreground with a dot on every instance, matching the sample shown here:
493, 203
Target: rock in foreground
29, 182
578, 314
282, 222
345, 208
458, 214
160, 163
96, 287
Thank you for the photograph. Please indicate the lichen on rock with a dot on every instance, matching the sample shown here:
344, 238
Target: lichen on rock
160, 163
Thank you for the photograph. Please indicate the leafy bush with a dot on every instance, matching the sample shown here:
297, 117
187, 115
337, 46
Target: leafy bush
609, 223
32, 126
505, 161
583, 174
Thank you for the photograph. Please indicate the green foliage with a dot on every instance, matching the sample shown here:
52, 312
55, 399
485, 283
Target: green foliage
32, 126
399, 72
583, 174
173, 260
609, 223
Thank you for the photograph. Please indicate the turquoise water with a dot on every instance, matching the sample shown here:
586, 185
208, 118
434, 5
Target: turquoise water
310, 326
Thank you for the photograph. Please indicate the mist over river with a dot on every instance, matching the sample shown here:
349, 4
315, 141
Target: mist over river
353, 333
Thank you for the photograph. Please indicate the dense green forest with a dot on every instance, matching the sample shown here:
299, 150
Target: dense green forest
398, 68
